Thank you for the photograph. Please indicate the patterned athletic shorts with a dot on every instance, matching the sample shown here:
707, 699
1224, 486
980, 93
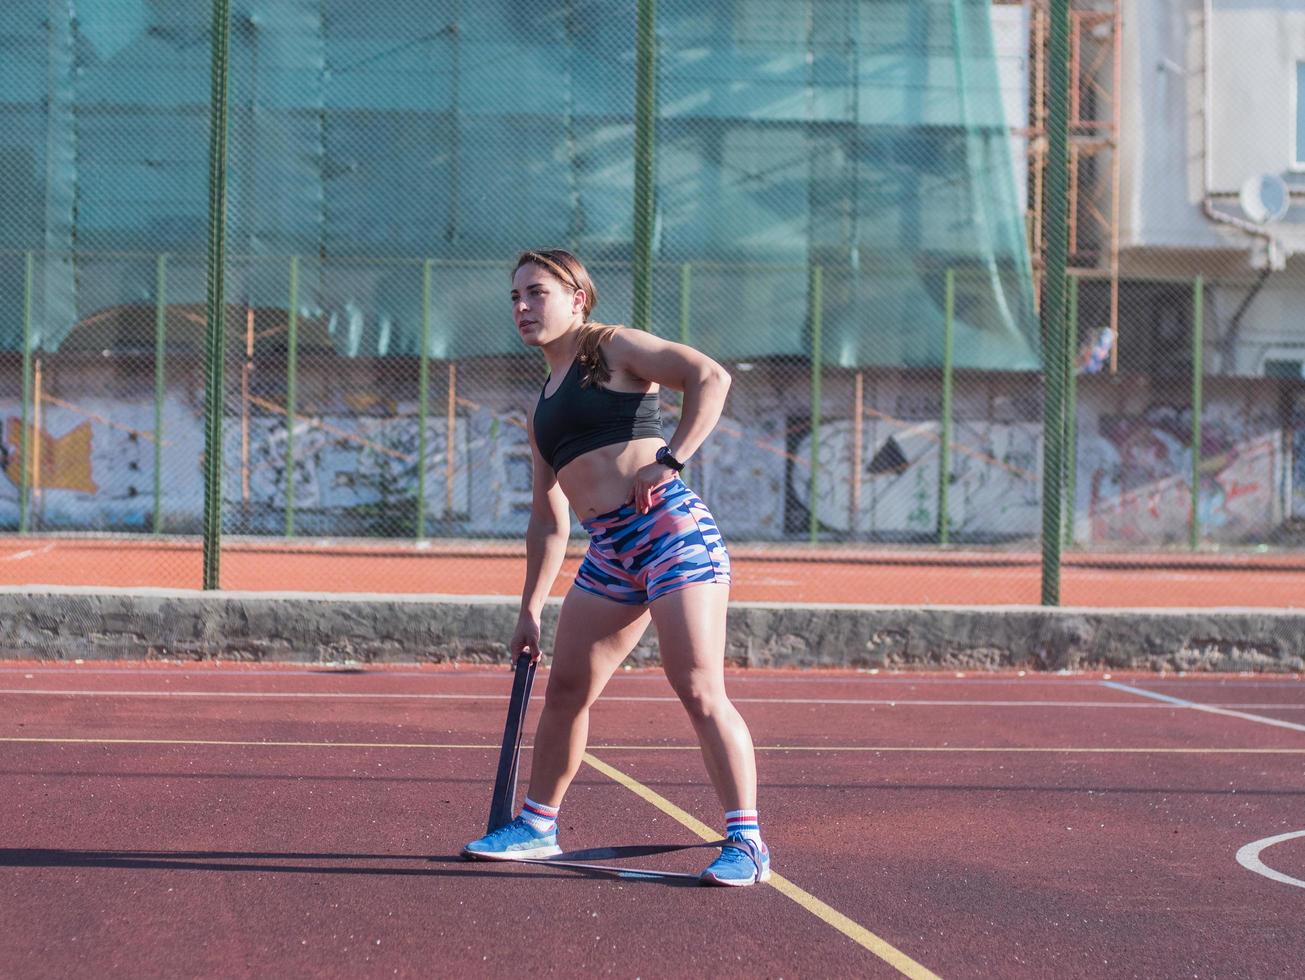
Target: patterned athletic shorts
634, 558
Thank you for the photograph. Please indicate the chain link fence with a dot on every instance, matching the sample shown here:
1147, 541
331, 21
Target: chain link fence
843, 201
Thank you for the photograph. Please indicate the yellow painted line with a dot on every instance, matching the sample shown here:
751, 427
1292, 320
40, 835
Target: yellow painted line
858, 933
1144, 750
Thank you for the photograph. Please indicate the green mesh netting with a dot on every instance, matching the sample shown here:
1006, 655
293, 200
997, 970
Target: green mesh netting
863, 136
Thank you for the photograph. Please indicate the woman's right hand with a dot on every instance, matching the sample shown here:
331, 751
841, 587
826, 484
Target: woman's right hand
526, 638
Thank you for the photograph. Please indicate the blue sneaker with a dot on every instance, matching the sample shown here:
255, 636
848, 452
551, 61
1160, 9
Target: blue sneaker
740, 863
512, 842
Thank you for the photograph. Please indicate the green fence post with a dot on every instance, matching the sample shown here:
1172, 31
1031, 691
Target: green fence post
24, 436
216, 334
817, 317
645, 115
423, 399
686, 287
291, 393
1056, 248
686, 290
1198, 402
1071, 415
160, 380
945, 437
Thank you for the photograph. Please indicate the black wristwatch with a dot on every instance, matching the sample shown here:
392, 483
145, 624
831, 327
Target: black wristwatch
667, 458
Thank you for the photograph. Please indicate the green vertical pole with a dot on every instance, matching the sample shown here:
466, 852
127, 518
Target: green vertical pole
1055, 250
686, 289
817, 368
291, 393
160, 380
1198, 402
25, 437
645, 113
423, 399
216, 312
945, 438
1071, 415
686, 292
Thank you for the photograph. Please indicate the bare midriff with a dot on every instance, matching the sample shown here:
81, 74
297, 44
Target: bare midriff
603, 479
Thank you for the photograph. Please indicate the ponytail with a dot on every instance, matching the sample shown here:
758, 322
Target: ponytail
590, 353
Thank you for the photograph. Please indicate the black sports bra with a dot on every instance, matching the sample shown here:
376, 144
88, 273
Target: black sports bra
575, 420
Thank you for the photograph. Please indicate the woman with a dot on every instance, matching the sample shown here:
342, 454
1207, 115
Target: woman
655, 553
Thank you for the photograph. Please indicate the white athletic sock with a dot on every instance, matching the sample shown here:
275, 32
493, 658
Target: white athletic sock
743, 822
542, 818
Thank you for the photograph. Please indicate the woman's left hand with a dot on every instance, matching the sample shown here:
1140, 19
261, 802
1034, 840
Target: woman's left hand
645, 480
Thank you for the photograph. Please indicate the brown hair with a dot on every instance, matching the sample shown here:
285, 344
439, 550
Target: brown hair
571, 272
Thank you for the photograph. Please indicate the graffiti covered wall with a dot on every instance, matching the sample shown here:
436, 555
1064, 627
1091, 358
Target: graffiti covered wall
1135, 473
355, 463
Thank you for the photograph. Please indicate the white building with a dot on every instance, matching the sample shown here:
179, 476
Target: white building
1212, 170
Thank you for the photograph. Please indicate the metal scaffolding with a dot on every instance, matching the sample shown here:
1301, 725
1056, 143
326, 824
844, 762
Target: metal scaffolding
1094, 89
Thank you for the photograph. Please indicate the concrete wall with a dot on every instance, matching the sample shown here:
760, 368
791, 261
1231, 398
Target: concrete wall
69, 624
354, 470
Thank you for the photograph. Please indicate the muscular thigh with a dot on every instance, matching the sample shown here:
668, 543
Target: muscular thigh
691, 636
593, 636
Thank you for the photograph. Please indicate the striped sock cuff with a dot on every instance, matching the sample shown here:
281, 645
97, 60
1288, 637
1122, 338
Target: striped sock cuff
542, 818
744, 822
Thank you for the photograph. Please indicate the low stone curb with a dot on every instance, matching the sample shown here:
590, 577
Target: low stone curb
93, 624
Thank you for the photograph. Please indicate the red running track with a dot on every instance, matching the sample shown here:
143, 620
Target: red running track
769, 573
223, 820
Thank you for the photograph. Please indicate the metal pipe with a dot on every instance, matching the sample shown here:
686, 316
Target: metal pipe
291, 393
686, 292
449, 457
858, 435
645, 120
1198, 374
945, 440
24, 434
1228, 338
216, 312
1075, 69
160, 380
246, 374
817, 317
36, 434
452, 228
1072, 234
1053, 306
686, 289
1071, 414
423, 398
1117, 25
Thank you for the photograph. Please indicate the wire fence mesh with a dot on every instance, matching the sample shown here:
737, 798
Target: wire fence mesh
846, 208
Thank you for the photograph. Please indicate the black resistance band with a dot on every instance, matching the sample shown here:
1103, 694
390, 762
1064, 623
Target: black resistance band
503, 804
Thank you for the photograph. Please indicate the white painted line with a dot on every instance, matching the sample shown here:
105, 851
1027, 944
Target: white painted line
28, 553
993, 749
667, 699
242, 672
271, 695
1197, 706
1249, 858
743, 676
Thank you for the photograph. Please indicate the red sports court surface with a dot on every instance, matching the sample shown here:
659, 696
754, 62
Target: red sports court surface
762, 573
222, 820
